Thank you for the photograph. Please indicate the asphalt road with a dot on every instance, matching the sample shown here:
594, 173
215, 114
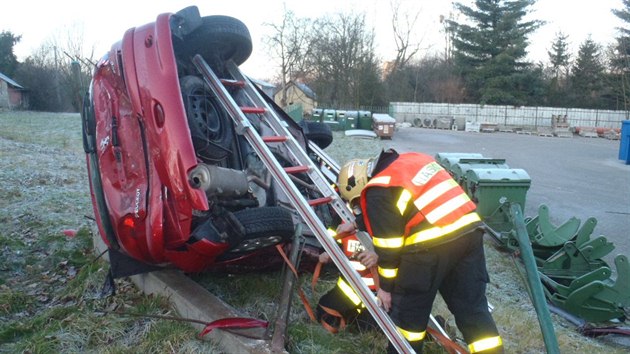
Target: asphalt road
575, 177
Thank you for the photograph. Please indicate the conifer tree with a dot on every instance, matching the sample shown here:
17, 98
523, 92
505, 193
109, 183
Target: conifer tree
490, 49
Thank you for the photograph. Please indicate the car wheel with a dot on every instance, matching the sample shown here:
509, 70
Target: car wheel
210, 126
317, 132
220, 37
264, 227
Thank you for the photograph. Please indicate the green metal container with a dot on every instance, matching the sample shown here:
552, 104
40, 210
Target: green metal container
329, 115
490, 188
352, 120
334, 126
340, 117
317, 114
463, 165
365, 120
449, 159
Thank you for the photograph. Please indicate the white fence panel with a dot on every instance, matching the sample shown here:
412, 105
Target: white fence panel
509, 116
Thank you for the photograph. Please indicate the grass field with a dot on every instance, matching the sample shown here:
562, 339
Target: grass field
50, 284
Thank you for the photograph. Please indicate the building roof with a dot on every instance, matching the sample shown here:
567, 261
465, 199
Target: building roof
307, 90
10, 81
302, 87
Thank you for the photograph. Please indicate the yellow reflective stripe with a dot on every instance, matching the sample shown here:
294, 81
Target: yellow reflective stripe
434, 193
412, 336
380, 180
392, 242
447, 208
331, 232
485, 344
439, 231
357, 266
388, 273
348, 291
402, 202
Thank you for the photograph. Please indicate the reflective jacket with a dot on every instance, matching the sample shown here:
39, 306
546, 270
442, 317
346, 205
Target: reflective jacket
440, 207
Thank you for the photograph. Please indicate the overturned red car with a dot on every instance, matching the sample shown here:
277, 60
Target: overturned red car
172, 182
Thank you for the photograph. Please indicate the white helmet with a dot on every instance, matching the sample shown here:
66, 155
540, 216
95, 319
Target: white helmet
353, 177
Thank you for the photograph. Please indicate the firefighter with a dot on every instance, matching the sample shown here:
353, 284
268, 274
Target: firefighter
428, 239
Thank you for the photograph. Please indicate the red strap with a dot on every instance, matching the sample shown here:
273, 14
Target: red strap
307, 305
233, 322
334, 313
377, 283
316, 272
451, 346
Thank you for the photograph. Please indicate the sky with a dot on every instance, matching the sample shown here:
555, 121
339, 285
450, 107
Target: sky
102, 23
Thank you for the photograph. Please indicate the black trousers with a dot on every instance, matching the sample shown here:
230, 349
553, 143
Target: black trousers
457, 270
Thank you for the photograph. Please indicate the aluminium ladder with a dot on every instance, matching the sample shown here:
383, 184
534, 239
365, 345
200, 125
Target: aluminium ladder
304, 164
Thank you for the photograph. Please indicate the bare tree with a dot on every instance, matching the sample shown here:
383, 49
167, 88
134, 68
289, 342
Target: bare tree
403, 25
290, 43
51, 72
346, 71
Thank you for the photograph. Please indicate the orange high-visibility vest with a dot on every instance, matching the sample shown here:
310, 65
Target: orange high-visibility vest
440, 201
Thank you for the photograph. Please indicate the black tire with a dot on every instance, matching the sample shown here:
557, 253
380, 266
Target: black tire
220, 37
210, 126
264, 227
317, 132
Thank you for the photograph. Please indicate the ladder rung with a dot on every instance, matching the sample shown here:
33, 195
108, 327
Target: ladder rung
256, 110
274, 139
319, 201
236, 83
296, 169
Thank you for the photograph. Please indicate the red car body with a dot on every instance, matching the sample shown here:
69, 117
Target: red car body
140, 153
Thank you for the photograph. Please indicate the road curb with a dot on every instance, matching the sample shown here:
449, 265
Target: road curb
192, 301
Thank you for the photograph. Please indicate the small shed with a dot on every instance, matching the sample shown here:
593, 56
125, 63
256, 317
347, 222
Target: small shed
12, 94
297, 93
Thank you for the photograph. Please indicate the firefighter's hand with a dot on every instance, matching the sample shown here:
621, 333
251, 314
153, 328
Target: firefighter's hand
324, 257
368, 259
384, 299
345, 229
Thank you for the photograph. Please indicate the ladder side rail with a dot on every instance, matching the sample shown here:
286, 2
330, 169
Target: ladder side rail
278, 125
329, 161
327, 165
305, 211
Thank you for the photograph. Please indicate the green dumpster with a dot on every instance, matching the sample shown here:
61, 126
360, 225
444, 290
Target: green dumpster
328, 115
318, 114
340, 117
330, 119
352, 119
463, 165
492, 188
365, 120
449, 159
